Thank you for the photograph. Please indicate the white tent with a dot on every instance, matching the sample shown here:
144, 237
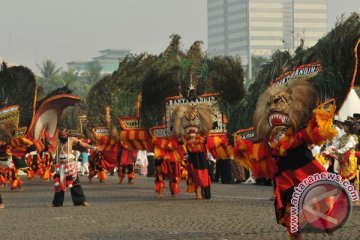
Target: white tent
350, 106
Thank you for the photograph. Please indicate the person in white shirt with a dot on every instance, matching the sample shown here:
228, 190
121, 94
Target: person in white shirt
142, 161
348, 161
335, 144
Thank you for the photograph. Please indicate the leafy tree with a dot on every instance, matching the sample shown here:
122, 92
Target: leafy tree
157, 85
70, 117
50, 78
160, 80
70, 76
226, 76
94, 72
18, 87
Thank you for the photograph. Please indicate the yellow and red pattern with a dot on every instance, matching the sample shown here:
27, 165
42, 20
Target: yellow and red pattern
242, 150
46, 164
319, 129
195, 146
109, 148
254, 156
19, 146
219, 146
105, 143
10, 174
168, 149
43, 137
136, 140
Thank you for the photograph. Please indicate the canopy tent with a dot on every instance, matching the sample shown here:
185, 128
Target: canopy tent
350, 106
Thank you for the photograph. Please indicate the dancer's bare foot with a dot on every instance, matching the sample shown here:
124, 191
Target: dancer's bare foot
198, 194
2, 206
160, 195
356, 203
84, 204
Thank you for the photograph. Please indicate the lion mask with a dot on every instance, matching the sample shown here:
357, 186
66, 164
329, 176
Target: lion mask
191, 121
7, 129
283, 107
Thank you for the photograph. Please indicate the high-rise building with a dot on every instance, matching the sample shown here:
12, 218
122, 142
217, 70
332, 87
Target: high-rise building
260, 27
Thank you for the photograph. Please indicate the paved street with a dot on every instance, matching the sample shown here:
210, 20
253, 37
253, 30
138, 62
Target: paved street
132, 212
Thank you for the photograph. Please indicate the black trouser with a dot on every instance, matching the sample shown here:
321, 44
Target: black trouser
217, 170
150, 167
1, 199
226, 173
129, 169
211, 170
223, 171
77, 195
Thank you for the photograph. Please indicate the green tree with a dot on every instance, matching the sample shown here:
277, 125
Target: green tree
94, 72
257, 62
70, 76
50, 78
79, 85
18, 87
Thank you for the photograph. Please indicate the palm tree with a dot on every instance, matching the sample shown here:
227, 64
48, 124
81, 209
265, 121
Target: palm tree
70, 76
50, 78
48, 70
94, 72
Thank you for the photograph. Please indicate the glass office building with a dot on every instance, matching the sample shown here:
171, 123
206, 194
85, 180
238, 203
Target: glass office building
260, 27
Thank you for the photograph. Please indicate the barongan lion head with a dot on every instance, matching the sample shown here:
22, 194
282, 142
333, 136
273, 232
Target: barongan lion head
191, 121
7, 129
283, 107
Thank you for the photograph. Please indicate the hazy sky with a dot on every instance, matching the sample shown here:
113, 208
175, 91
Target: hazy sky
68, 30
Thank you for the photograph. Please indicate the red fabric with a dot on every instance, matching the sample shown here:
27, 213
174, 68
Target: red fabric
256, 169
109, 155
110, 160
347, 156
201, 178
165, 168
18, 153
159, 186
136, 140
173, 169
291, 178
308, 170
197, 145
272, 167
127, 157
